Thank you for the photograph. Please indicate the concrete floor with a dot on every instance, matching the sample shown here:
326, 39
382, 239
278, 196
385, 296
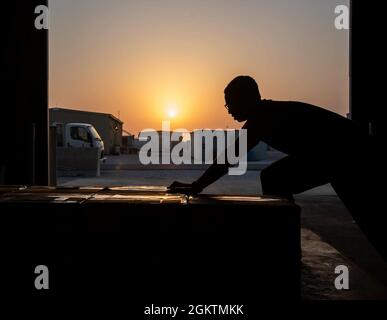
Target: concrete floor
329, 235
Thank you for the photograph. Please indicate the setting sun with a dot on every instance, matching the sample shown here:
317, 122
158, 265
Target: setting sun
172, 111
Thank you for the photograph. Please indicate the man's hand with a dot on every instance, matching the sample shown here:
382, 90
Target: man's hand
185, 188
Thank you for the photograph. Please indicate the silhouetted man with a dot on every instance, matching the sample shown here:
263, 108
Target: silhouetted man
321, 146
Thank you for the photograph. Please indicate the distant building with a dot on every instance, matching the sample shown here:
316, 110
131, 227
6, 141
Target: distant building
128, 143
108, 126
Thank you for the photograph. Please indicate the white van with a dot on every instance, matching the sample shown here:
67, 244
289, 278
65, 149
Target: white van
79, 135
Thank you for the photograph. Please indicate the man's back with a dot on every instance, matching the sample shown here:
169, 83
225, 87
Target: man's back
298, 128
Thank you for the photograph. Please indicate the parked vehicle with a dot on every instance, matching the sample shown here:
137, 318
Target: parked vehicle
79, 135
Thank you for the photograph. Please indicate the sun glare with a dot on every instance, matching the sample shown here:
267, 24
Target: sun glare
172, 111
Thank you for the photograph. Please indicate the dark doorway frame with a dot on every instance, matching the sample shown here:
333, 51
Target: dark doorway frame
24, 65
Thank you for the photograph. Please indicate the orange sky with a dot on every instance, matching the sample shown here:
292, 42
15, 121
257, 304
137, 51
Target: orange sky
139, 58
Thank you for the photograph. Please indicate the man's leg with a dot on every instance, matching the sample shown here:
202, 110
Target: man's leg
360, 189
290, 176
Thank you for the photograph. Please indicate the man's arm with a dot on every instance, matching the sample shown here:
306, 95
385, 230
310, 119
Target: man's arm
213, 173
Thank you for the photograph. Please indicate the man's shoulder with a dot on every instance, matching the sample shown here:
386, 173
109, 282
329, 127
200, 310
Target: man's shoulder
267, 107
270, 111
290, 107
281, 103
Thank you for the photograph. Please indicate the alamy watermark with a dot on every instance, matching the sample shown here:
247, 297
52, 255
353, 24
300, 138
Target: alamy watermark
42, 279
342, 20
198, 147
342, 280
42, 18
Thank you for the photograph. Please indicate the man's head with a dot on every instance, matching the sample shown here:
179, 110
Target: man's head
242, 96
